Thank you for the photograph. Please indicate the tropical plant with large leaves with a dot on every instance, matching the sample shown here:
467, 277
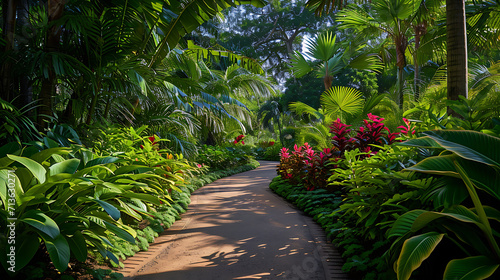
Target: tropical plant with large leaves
472, 160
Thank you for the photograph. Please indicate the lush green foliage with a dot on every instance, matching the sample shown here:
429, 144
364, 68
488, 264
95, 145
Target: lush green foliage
72, 201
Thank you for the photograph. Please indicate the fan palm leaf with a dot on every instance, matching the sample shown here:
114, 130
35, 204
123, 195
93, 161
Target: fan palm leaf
342, 102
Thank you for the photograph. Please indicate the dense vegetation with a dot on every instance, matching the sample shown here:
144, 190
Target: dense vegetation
384, 115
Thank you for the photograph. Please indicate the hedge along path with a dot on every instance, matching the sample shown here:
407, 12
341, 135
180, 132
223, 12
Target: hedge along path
237, 228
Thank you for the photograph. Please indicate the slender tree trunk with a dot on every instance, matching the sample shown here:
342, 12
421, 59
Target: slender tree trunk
457, 83
93, 103
9, 27
48, 88
108, 107
401, 43
25, 84
328, 82
401, 84
420, 30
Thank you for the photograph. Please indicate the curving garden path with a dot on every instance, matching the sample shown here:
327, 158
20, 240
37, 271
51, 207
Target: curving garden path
237, 228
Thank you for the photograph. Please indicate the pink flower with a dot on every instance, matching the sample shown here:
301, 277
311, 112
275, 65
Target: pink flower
408, 128
284, 153
199, 165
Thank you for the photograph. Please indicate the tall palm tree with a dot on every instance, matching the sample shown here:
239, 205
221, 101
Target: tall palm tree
457, 83
391, 17
327, 58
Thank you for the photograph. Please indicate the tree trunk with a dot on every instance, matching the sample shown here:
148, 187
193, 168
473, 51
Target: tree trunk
328, 81
93, 103
9, 20
420, 30
457, 83
401, 43
25, 84
48, 88
401, 83
108, 107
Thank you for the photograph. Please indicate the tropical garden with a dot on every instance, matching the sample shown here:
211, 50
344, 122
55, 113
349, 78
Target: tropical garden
384, 116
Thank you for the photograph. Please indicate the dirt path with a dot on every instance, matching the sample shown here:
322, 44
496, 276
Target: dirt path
236, 228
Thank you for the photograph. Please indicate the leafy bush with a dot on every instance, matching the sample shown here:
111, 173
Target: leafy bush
218, 158
75, 201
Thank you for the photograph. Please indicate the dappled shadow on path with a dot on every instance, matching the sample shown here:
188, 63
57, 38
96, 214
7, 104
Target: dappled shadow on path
239, 229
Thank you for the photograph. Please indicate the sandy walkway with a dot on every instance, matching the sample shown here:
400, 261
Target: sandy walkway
236, 228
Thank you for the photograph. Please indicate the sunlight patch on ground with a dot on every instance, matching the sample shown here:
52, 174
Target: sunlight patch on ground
253, 276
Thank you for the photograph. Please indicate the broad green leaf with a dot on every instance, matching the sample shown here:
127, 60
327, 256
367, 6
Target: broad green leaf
110, 209
471, 268
99, 161
415, 250
78, 246
45, 154
10, 148
127, 210
142, 196
439, 165
34, 167
121, 233
131, 168
427, 217
26, 248
112, 257
59, 251
470, 145
68, 166
404, 223
423, 142
42, 222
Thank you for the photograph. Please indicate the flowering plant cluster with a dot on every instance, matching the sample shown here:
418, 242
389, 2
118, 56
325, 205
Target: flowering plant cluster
305, 165
408, 129
373, 132
312, 168
239, 139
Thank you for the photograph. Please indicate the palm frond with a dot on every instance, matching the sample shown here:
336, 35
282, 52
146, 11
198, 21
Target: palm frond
301, 108
191, 14
342, 102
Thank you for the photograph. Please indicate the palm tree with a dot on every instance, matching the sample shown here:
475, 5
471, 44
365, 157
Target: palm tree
391, 17
457, 83
270, 114
328, 58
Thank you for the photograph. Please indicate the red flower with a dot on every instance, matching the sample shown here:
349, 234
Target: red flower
238, 139
271, 143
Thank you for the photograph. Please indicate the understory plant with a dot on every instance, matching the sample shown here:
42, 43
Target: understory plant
469, 212
70, 201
